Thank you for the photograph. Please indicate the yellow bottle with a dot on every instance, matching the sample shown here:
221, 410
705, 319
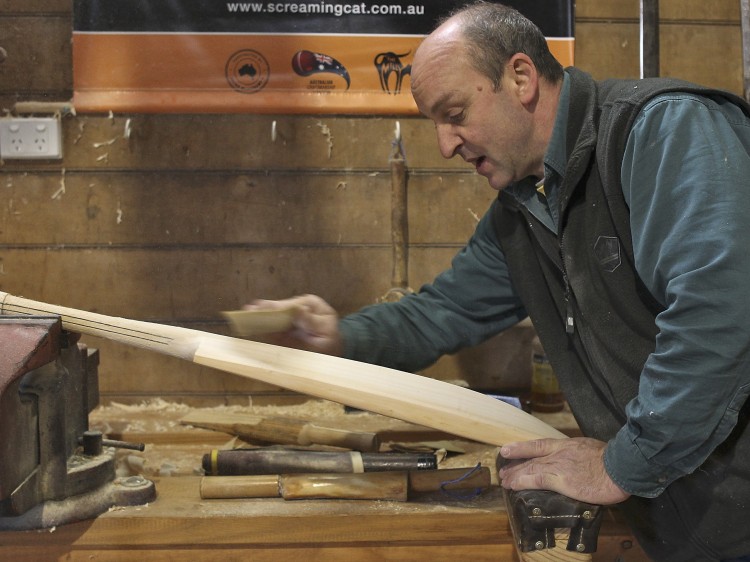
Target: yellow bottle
545, 390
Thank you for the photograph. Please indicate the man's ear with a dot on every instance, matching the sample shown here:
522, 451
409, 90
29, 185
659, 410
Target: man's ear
525, 77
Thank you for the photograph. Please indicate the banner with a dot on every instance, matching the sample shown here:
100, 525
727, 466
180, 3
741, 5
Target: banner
214, 56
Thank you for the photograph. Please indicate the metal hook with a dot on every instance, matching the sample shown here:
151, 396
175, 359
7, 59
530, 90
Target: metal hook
398, 131
273, 131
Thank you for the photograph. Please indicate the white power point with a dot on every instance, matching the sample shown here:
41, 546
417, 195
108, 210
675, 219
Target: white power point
30, 137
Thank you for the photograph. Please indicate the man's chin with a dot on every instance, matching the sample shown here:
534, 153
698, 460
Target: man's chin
495, 180
498, 184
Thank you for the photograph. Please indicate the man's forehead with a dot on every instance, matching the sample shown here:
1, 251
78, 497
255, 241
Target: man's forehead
445, 41
437, 64
444, 99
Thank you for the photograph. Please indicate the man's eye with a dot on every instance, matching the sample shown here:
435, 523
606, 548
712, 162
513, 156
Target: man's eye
457, 116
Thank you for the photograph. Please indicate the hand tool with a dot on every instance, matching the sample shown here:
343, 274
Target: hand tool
392, 485
286, 461
399, 221
283, 430
248, 323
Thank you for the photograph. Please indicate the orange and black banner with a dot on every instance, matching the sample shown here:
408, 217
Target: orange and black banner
216, 56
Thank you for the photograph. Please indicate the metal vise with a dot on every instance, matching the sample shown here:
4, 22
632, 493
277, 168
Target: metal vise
48, 386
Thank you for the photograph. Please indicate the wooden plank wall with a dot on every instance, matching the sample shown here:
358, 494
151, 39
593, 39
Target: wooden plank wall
172, 218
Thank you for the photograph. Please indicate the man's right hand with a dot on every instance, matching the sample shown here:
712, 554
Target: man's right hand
315, 324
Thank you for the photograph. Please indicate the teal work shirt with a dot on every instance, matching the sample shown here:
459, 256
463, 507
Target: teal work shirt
686, 179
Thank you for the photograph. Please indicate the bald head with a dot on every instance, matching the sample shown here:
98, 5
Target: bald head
442, 46
488, 35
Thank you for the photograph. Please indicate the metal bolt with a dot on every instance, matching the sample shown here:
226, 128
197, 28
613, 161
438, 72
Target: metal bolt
133, 481
586, 515
539, 545
536, 511
580, 547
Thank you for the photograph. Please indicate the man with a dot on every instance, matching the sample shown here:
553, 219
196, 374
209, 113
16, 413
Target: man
620, 228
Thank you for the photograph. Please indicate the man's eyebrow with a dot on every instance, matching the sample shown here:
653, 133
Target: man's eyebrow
442, 100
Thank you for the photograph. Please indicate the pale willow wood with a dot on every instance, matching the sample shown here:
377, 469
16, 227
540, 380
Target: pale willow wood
248, 323
389, 392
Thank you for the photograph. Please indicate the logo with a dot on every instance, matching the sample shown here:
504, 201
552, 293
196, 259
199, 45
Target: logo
307, 63
607, 252
247, 71
390, 63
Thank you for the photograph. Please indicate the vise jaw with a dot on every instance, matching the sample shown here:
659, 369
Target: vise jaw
48, 386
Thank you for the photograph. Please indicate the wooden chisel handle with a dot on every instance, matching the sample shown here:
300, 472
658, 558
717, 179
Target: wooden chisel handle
311, 433
228, 487
394, 485
237, 462
284, 430
375, 486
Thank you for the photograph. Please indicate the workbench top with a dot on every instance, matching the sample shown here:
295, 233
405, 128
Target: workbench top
179, 525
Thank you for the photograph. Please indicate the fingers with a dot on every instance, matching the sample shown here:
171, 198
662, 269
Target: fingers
526, 465
530, 477
314, 324
530, 449
310, 302
314, 315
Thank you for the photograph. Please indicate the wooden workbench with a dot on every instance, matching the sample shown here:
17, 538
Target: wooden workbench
179, 525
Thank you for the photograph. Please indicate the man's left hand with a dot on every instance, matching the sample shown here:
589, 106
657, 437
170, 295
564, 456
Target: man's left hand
572, 467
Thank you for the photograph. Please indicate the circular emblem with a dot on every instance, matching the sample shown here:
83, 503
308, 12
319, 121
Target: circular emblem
247, 71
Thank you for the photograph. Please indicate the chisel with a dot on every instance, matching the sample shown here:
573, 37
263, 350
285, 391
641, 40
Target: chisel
395, 485
285, 461
283, 430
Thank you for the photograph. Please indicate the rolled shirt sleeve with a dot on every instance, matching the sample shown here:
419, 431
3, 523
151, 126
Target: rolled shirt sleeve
686, 178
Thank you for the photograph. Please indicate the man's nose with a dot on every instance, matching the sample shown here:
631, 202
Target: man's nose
448, 140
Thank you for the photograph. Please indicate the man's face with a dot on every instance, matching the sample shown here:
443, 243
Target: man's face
489, 128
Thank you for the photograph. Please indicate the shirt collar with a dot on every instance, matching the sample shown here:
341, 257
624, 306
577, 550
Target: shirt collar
526, 191
555, 157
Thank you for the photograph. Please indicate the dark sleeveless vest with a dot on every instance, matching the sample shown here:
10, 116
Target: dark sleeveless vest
596, 319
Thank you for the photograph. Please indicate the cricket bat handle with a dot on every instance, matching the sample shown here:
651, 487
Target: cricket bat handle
170, 340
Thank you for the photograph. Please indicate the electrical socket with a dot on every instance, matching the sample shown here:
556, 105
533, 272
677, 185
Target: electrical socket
30, 138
